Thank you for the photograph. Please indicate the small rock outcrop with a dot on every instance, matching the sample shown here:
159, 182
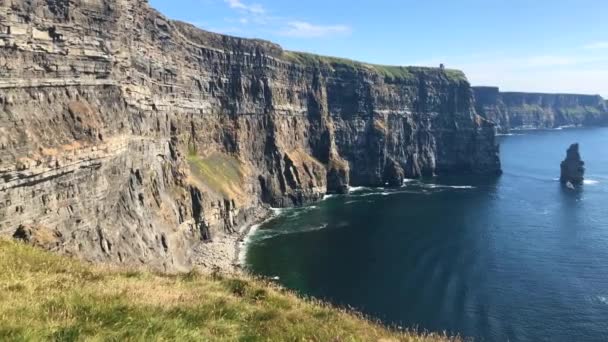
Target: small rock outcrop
573, 169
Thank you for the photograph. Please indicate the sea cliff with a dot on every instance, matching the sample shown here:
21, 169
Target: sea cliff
126, 137
514, 110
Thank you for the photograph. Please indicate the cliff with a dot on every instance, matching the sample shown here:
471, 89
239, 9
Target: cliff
130, 138
511, 110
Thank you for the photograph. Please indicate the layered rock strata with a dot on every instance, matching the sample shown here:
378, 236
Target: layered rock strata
127, 137
510, 110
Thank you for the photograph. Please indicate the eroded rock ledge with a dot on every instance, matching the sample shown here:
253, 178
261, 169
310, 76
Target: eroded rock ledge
127, 137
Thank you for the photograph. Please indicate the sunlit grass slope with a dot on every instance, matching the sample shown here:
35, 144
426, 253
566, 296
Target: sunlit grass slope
45, 297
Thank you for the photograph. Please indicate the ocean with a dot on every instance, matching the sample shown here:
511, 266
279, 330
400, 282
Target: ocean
511, 258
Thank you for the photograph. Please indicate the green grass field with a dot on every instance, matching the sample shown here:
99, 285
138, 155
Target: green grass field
45, 297
403, 73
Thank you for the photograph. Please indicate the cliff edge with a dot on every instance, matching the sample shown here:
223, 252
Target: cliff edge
65, 300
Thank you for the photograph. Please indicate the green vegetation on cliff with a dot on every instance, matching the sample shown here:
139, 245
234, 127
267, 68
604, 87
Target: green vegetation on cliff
402, 73
220, 172
48, 297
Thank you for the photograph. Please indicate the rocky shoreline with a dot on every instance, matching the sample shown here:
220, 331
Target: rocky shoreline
222, 254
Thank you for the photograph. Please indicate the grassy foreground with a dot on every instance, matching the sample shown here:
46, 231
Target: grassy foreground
49, 297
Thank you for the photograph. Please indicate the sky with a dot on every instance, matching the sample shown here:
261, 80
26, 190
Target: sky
518, 45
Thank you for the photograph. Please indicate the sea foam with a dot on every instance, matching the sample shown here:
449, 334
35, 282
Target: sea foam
440, 186
352, 189
242, 257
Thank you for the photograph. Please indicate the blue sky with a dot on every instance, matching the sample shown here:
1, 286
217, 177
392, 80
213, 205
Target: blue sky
523, 45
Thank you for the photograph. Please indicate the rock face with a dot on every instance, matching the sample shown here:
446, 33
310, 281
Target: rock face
573, 168
530, 110
127, 137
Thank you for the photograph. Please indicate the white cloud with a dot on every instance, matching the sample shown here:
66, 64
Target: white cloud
302, 29
257, 18
251, 8
597, 45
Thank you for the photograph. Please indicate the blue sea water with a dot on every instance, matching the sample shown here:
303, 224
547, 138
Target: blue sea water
510, 258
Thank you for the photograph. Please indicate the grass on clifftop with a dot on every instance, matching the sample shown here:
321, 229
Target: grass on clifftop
388, 71
46, 297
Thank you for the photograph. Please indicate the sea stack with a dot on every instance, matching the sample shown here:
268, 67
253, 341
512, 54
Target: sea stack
573, 168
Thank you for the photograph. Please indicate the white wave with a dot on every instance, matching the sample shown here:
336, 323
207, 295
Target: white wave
313, 229
293, 212
370, 194
357, 190
278, 211
242, 259
246, 240
326, 197
590, 182
396, 192
409, 180
440, 186
270, 234
565, 126
509, 134
525, 128
602, 299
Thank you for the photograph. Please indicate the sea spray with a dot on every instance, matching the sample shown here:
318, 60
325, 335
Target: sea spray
246, 240
275, 212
